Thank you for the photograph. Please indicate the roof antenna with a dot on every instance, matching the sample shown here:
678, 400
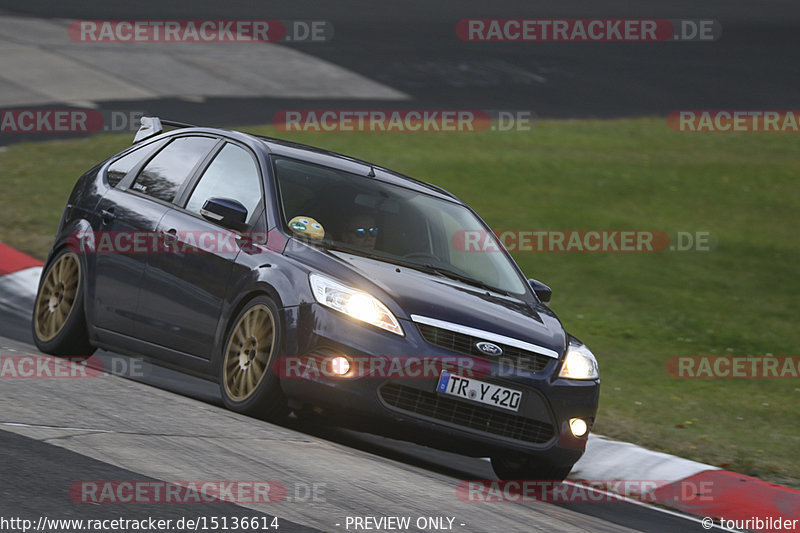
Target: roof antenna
371, 172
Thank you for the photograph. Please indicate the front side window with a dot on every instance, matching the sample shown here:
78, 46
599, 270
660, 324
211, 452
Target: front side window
370, 217
165, 173
232, 174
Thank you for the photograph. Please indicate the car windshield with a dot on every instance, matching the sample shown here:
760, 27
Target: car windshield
373, 218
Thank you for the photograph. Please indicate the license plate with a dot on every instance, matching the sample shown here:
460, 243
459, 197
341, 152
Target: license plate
479, 391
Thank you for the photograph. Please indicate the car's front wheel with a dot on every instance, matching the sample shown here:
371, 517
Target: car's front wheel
59, 322
519, 467
246, 378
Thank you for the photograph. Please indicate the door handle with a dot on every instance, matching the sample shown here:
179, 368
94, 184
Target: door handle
108, 215
170, 237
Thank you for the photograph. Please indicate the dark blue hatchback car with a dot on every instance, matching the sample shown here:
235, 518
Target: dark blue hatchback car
310, 282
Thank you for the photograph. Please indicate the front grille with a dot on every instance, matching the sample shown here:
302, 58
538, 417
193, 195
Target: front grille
523, 360
463, 414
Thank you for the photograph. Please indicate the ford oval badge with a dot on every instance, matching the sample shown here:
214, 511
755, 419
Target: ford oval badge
488, 348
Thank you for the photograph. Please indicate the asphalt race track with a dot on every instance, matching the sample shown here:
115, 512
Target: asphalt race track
58, 432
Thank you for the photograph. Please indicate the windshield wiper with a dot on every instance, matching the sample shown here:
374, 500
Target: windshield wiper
427, 267
446, 272
363, 252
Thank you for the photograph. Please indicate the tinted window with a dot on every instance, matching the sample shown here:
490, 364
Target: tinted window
165, 173
368, 216
233, 174
120, 168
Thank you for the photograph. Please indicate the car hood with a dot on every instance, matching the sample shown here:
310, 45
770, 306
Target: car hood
443, 299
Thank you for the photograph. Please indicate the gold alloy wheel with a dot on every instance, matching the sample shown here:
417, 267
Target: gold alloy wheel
249, 352
57, 296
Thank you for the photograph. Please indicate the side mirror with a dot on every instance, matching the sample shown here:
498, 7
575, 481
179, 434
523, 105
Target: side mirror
542, 291
225, 212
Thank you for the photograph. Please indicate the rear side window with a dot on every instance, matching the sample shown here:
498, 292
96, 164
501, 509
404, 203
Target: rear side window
165, 173
120, 168
233, 174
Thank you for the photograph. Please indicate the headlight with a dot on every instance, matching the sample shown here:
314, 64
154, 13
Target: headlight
353, 303
579, 363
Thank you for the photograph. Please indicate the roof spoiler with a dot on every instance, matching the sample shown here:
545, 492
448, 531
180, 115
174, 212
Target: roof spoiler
152, 126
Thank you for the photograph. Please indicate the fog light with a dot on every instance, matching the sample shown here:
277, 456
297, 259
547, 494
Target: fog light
340, 365
578, 427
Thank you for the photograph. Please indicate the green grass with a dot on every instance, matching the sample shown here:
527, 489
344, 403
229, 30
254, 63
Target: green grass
634, 310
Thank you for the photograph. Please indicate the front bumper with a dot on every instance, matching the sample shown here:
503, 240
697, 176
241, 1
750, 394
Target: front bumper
406, 406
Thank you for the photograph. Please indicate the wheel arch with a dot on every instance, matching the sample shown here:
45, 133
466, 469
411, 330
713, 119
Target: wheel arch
227, 321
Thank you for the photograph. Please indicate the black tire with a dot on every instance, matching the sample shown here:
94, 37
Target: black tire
247, 381
59, 321
517, 467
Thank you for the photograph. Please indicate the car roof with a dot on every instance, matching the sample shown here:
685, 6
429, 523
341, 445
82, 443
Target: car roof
319, 156
328, 158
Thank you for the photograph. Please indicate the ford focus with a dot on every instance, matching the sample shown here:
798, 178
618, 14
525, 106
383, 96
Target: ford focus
311, 282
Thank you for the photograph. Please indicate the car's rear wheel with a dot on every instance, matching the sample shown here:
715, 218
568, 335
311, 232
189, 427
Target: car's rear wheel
247, 381
520, 467
59, 322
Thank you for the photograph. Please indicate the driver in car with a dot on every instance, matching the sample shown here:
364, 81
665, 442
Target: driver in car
360, 230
